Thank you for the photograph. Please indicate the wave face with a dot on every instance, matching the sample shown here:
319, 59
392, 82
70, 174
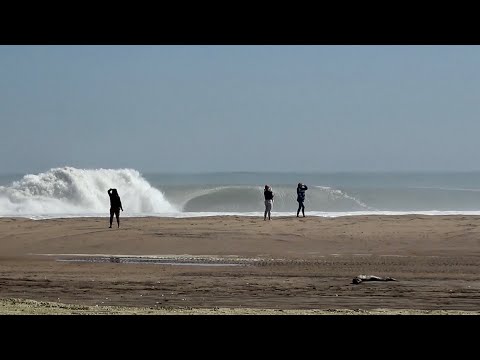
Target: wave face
328, 194
71, 191
250, 198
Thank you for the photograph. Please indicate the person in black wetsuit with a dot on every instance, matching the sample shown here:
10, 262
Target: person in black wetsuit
115, 205
301, 198
268, 194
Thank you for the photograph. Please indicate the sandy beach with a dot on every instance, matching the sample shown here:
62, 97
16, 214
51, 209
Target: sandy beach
239, 265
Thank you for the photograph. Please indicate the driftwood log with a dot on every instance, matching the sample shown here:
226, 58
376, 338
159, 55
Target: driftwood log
361, 278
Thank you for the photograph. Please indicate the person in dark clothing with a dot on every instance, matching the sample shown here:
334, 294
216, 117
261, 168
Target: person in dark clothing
268, 194
301, 198
115, 205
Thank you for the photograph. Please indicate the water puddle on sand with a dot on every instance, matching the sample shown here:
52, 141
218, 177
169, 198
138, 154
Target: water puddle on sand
119, 260
179, 260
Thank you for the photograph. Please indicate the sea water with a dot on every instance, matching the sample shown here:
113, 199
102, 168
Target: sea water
72, 192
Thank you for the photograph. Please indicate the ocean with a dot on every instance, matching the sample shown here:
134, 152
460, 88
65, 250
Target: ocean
71, 192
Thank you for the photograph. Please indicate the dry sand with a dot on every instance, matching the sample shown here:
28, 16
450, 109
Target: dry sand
240, 265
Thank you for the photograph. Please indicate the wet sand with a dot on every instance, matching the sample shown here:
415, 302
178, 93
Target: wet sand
240, 265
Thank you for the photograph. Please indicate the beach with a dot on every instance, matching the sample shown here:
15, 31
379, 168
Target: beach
241, 264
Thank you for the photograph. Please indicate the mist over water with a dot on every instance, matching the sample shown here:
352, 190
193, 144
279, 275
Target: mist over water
71, 192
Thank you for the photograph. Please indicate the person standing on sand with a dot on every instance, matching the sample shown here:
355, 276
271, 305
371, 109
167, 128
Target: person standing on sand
301, 198
268, 194
115, 205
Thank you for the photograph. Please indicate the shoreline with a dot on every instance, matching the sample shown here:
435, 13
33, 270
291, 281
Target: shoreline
256, 214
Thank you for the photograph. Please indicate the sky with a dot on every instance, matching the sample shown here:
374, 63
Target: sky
240, 108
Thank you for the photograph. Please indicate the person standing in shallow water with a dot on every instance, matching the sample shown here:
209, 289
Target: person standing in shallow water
268, 194
301, 198
115, 205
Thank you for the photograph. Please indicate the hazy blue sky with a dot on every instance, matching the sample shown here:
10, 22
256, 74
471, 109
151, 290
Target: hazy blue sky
240, 108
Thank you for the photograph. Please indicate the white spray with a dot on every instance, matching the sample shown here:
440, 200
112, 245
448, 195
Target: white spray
72, 191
